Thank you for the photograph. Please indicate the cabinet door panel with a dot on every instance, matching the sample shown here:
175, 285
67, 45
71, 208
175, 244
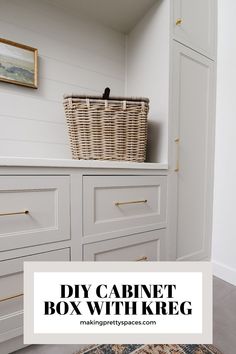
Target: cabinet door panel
193, 121
194, 24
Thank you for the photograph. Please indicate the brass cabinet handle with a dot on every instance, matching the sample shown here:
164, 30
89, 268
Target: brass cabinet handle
142, 259
177, 158
131, 202
179, 21
11, 297
25, 212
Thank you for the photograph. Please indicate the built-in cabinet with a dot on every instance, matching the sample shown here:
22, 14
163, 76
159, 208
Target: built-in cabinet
191, 128
107, 212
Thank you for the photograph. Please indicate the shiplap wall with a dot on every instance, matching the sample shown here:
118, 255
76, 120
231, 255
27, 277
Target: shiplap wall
148, 73
75, 55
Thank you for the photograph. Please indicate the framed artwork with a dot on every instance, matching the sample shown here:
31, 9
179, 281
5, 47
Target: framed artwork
18, 64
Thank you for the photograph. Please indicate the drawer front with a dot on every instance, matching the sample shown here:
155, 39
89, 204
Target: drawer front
112, 203
147, 246
11, 290
47, 200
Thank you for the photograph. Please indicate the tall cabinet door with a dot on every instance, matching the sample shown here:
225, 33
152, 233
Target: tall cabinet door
192, 137
194, 24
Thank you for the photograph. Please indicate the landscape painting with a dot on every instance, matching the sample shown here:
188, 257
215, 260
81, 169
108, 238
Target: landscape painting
18, 63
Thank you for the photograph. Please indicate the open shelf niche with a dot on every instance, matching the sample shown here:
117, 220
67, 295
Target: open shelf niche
144, 26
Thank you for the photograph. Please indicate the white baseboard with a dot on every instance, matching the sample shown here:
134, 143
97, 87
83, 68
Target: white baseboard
224, 272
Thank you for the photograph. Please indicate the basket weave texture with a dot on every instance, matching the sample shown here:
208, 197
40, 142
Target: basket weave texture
114, 129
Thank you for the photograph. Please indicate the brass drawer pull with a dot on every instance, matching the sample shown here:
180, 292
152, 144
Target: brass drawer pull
25, 212
11, 297
131, 202
142, 259
179, 21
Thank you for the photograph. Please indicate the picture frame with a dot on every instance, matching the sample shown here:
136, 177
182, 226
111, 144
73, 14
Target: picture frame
18, 64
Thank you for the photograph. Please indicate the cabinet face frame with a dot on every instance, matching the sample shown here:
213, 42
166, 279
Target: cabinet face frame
179, 50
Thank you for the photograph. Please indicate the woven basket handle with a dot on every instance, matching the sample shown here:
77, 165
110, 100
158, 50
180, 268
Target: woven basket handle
106, 94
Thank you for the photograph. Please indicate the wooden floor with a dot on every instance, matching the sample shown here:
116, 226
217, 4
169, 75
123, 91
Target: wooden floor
224, 312
224, 324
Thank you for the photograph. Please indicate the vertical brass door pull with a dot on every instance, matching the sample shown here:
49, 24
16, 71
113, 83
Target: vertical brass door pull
177, 155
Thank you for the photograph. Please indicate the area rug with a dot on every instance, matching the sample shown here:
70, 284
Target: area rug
150, 349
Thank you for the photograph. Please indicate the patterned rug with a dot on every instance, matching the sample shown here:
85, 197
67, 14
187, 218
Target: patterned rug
150, 349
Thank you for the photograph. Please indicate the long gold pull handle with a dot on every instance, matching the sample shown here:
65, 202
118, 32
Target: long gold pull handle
25, 212
131, 202
179, 21
11, 297
177, 158
142, 259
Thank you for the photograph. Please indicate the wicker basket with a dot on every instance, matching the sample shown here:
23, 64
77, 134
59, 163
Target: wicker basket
114, 129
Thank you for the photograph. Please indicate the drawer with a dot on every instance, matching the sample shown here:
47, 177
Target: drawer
148, 246
11, 290
115, 203
47, 200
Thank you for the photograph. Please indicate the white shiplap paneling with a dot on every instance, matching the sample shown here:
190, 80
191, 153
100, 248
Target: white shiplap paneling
32, 130
75, 55
148, 73
34, 149
35, 108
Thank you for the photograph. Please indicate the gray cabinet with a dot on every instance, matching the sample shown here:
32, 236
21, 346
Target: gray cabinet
195, 25
96, 214
192, 147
